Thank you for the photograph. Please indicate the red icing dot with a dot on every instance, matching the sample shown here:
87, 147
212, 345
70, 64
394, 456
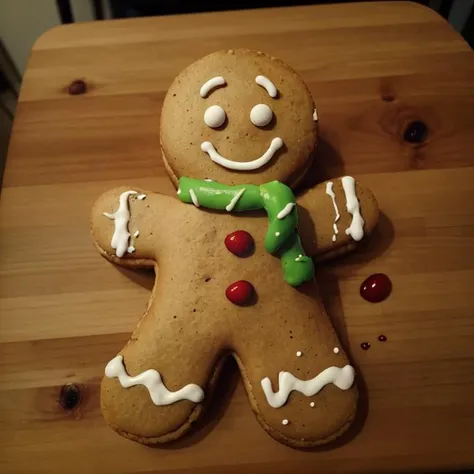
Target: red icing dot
240, 243
382, 338
376, 288
239, 292
365, 346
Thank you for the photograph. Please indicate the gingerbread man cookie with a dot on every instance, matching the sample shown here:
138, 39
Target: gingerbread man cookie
234, 254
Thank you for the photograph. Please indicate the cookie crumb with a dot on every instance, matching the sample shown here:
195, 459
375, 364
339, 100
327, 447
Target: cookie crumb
311, 404
299, 354
285, 422
336, 350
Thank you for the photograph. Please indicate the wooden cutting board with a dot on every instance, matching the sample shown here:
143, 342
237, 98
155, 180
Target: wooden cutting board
373, 69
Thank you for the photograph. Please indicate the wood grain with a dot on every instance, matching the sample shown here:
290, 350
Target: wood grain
64, 311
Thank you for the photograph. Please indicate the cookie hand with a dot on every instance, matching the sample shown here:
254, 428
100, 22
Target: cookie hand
125, 225
335, 216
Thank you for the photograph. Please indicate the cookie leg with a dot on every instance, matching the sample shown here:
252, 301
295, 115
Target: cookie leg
299, 381
156, 387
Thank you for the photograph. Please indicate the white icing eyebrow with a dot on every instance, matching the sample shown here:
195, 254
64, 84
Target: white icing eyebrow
268, 85
211, 84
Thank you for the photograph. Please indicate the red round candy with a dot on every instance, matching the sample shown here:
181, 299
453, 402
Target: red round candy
376, 288
240, 243
239, 292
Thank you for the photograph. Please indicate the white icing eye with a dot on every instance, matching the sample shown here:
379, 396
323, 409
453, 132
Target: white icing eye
214, 116
261, 115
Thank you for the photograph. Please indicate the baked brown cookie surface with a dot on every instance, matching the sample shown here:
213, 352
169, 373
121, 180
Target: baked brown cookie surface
234, 253
243, 106
299, 380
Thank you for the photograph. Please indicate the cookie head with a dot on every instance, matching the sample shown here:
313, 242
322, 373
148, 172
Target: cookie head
238, 116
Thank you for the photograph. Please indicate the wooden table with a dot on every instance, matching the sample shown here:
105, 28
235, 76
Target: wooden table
64, 311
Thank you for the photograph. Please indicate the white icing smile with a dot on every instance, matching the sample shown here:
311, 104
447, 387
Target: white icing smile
275, 145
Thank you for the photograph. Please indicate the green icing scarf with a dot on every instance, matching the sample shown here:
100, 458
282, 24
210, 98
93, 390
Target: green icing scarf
278, 201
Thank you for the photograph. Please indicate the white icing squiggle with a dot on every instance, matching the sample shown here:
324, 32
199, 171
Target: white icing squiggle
356, 229
121, 217
211, 84
286, 210
330, 191
141, 197
275, 145
194, 197
151, 379
267, 85
342, 378
234, 200
315, 115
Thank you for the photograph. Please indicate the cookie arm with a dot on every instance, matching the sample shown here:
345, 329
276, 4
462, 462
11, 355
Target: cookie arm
127, 225
335, 216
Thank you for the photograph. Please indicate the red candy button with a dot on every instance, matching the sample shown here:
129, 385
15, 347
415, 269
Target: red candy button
239, 292
376, 288
240, 243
